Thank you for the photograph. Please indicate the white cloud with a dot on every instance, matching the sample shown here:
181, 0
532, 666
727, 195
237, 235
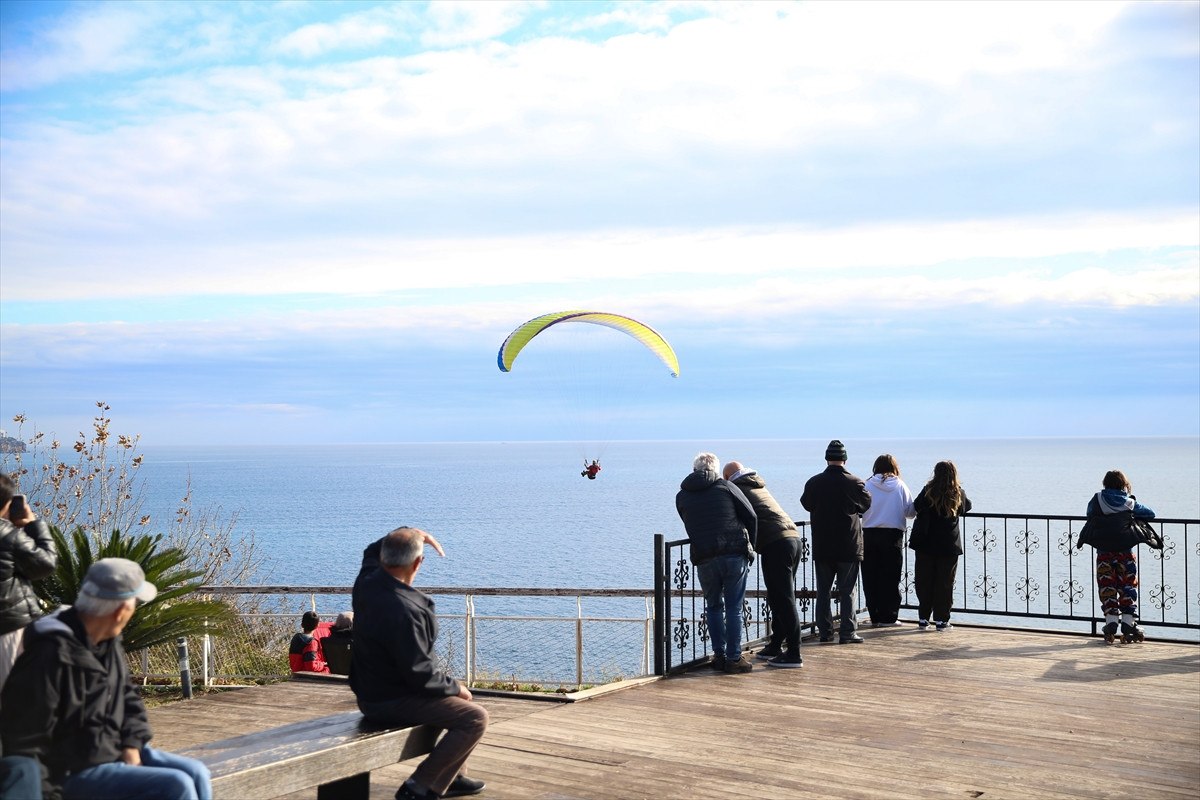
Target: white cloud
365, 29
456, 22
89, 38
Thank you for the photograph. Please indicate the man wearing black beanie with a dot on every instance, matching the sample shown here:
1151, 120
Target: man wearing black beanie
835, 499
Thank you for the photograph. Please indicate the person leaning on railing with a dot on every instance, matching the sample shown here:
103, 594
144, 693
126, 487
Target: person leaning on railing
937, 540
1110, 530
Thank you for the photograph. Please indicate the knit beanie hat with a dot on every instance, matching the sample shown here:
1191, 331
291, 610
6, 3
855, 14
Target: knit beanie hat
836, 451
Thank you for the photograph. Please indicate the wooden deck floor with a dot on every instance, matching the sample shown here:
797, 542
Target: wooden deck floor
970, 713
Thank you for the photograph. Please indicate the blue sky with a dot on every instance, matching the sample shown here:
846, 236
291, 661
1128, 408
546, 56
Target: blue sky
268, 222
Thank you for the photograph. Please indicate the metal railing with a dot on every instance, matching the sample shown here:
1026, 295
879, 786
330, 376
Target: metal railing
1017, 570
498, 637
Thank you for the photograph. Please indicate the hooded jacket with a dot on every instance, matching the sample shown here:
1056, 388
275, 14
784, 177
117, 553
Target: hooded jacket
26, 555
1109, 527
718, 518
774, 523
891, 503
834, 500
70, 704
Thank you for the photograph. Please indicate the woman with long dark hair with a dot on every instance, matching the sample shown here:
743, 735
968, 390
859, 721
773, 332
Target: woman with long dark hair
937, 540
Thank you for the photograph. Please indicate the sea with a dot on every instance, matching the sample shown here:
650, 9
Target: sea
519, 514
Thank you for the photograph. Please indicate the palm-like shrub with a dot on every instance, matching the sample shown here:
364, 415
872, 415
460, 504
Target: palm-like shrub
176, 611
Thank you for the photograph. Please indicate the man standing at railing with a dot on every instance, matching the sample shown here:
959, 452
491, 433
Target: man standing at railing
835, 499
722, 529
779, 547
394, 672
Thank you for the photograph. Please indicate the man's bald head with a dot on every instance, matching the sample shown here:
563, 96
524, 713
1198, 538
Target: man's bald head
731, 468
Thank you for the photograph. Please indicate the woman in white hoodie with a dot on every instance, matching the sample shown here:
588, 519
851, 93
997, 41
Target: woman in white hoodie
883, 540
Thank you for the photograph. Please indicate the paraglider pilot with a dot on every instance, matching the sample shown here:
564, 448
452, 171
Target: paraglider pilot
590, 470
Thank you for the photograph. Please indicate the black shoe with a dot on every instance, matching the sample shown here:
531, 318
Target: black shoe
770, 651
826, 639
407, 792
462, 786
718, 662
853, 638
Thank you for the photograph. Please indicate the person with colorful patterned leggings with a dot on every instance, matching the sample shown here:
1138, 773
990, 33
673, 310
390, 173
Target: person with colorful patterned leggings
1109, 530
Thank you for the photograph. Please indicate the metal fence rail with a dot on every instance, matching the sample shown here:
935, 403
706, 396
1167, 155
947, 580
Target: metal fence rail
501, 635
1018, 570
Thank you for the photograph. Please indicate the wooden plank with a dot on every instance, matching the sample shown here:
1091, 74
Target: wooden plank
967, 713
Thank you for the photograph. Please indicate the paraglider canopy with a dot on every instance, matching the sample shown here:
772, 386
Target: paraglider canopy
649, 337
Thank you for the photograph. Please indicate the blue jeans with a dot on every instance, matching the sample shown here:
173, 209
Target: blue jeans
723, 581
847, 577
20, 778
162, 776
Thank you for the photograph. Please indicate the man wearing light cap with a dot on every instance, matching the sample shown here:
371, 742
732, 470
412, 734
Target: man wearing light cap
69, 702
835, 500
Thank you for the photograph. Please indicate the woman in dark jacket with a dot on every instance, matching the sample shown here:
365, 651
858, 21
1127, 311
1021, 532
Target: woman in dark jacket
27, 554
937, 539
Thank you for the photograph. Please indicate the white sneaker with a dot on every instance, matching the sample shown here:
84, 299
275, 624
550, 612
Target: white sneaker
923, 625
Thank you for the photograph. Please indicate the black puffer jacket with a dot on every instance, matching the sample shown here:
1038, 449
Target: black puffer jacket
68, 704
26, 555
717, 517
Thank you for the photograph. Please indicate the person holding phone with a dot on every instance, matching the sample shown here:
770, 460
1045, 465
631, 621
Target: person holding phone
27, 554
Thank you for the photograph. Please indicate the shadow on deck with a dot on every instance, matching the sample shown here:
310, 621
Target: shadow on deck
970, 713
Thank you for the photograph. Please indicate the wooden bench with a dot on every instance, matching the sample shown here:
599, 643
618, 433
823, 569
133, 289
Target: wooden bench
334, 753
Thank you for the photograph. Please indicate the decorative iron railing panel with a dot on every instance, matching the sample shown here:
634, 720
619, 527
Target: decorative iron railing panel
1018, 570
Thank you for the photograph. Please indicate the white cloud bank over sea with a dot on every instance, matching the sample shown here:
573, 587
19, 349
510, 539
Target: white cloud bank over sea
262, 221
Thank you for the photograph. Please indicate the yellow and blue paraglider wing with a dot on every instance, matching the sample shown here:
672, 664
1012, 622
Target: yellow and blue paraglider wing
649, 337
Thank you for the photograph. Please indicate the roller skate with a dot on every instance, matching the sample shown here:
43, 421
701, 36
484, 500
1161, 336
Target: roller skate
1110, 632
1131, 632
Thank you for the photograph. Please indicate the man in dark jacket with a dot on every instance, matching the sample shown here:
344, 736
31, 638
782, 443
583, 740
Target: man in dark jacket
69, 702
779, 547
835, 499
722, 530
393, 667
27, 554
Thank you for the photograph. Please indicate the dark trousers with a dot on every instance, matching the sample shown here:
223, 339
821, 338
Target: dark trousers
463, 720
779, 562
883, 559
846, 573
934, 580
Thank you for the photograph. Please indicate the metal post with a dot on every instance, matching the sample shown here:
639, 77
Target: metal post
204, 657
660, 605
469, 644
578, 641
648, 637
185, 672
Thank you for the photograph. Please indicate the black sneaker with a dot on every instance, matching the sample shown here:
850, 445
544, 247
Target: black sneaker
462, 786
826, 639
787, 660
853, 638
770, 651
718, 662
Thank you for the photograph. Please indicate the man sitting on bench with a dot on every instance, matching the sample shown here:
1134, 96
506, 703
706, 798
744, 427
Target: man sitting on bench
69, 702
395, 675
